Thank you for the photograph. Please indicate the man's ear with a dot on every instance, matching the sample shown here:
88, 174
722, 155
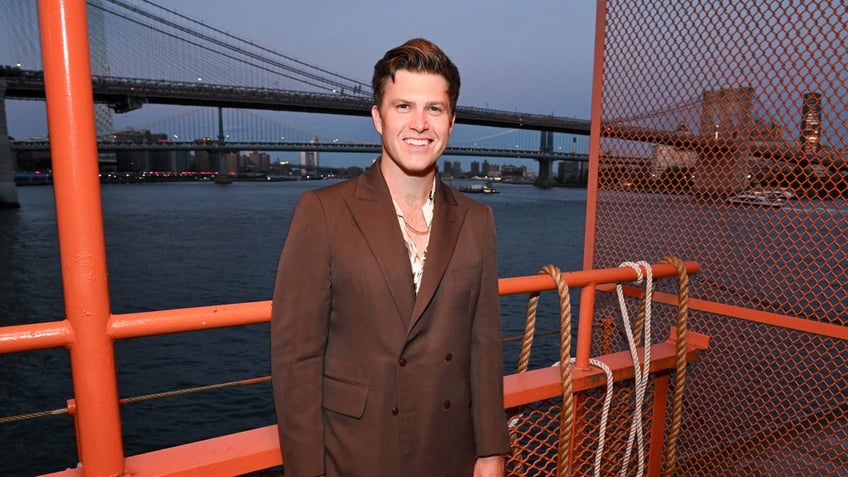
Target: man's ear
378, 119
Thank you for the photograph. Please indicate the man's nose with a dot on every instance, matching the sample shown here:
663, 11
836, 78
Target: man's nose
419, 121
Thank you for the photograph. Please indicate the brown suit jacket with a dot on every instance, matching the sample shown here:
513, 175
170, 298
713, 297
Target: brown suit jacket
368, 379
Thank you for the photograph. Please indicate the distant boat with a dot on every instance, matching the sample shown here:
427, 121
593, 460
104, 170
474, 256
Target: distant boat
762, 197
479, 189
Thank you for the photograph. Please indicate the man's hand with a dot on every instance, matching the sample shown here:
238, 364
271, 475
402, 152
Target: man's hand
492, 466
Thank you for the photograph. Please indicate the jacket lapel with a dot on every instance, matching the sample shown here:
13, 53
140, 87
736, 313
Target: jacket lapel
447, 222
372, 210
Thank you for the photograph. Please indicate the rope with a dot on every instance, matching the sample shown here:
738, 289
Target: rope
565, 364
610, 384
566, 421
639, 331
197, 389
146, 397
640, 374
529, 331
599, 452
523, 364
33, 415
670, 461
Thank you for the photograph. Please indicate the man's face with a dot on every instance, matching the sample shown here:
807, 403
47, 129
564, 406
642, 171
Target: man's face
414, 120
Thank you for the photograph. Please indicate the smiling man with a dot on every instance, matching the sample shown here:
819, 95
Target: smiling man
385, 331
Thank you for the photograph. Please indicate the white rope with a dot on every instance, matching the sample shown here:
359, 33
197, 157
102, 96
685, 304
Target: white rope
599, 452
640, 374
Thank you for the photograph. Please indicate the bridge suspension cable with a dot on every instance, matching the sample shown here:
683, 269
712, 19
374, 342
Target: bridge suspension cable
362, 86
230, 51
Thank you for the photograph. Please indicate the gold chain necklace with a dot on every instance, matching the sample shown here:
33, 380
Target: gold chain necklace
413, 229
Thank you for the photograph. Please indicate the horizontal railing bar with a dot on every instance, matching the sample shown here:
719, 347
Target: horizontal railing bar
177, 320
544, 383
134, 325
35, 336
582, 278
829, 330
804, 325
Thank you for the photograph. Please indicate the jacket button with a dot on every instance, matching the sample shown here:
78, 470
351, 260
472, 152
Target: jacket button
448, 356
395, 411
402, 362
447, 404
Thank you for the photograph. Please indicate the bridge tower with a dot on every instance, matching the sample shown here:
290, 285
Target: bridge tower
8, 192
726, 120
18, 29
100, 66
546, 144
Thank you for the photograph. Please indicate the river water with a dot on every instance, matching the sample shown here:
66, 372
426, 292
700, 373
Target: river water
193, 244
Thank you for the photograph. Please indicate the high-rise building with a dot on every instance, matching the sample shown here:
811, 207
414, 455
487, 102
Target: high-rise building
447, 169
475, 169
255, 161
309, 160
456, 168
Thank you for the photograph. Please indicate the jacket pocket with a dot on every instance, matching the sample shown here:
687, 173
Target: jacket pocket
345, 397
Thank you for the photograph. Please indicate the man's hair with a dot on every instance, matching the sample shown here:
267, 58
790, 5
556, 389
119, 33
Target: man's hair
416, 55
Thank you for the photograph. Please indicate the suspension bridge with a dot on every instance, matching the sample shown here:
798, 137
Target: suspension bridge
145, 54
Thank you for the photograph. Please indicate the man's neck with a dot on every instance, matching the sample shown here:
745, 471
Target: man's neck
408, 190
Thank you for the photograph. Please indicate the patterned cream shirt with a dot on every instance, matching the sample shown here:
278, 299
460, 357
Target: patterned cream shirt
416, 258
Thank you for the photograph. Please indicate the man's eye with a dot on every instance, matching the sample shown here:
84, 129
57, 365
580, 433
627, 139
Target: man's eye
437, 109
403, 106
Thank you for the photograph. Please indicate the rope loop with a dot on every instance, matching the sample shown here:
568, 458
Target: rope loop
640, 373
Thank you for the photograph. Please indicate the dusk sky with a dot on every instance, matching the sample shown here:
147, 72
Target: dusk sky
533, 56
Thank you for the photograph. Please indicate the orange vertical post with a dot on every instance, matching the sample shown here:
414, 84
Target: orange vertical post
594, 137
584, 327
656, 448
73, 147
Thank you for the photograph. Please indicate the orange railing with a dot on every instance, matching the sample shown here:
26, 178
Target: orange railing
769, 396
258, 449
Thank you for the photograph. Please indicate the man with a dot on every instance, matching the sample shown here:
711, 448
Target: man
385, 330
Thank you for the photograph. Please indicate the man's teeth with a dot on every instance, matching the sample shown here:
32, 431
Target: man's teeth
417, 142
